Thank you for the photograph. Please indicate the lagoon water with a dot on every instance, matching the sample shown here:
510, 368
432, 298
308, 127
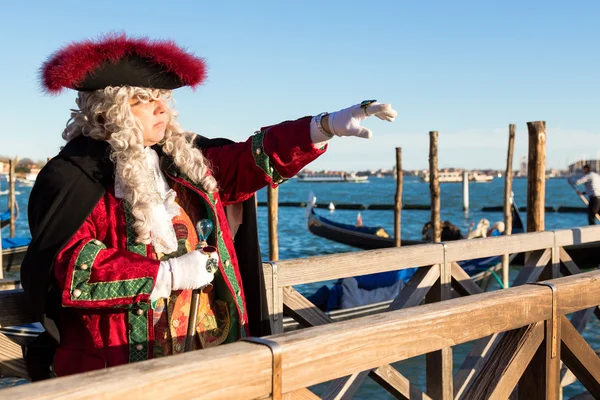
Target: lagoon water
296, 242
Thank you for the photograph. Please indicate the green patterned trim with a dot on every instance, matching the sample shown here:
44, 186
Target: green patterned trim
261, 159
138, 332
236, 297
137, 316
82, 290
132, 245
226, 262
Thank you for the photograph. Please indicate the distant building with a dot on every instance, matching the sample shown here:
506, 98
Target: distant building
523, 167
577, 166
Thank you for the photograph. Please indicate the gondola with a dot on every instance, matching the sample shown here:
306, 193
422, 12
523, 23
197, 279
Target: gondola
363, 237
369, 238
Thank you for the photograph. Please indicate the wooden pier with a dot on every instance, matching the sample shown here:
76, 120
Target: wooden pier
523, 333
525, 346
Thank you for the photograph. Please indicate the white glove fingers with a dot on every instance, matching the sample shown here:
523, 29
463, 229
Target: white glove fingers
346, 122
373, 108
382, 111
386, 117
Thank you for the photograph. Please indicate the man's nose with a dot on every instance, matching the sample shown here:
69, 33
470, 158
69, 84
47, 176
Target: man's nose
160, 107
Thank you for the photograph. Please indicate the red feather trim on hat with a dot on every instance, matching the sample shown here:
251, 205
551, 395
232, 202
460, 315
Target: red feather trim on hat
69, 66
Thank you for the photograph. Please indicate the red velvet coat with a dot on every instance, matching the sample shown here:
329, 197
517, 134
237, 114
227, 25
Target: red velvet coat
106, 278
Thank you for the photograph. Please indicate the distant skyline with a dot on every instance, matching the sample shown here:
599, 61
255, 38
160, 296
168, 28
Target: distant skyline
466, 69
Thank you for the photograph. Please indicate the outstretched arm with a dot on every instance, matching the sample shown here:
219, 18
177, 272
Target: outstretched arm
269, 157
582, 180
278, 152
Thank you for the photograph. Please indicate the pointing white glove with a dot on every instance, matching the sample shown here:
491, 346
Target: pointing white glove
346, 122
185, 272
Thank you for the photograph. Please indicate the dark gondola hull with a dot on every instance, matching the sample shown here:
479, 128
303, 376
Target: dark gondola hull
366, 238
369, 238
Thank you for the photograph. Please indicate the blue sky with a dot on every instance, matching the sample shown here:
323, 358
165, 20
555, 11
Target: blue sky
464, 68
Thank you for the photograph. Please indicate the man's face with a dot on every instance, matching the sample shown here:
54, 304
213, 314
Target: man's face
586, 170
153, 118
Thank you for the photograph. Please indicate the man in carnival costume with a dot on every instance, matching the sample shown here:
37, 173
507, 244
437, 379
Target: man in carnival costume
113, 258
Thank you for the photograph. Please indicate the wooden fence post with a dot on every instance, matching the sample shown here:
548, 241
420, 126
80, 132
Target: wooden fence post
536, 176
273, 202
398, 199
11, 194
541, 379
434, 187
508, 177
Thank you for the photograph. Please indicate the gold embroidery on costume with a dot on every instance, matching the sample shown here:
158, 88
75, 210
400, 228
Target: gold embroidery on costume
213, 325
171, 315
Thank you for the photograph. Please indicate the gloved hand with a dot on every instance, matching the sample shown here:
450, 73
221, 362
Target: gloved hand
185, 272
346, 122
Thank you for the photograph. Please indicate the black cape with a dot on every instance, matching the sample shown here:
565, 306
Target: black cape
66, 191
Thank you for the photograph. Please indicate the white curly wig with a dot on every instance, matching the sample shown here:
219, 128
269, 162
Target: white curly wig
106, 115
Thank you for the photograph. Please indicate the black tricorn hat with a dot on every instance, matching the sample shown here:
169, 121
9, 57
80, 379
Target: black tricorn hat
116, 60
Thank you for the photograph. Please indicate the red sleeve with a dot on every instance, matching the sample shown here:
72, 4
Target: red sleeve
92, 275
274, 154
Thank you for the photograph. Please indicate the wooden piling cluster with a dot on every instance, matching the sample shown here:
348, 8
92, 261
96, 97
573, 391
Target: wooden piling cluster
535, 192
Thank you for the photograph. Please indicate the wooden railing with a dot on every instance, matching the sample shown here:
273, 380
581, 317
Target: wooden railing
433, 281
522, 332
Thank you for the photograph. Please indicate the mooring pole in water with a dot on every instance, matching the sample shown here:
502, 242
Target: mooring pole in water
11, 195
273, 200
465, 191
508, 177
398, 199
541, 379
434, 187
438, 364
1, 266
536, 176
